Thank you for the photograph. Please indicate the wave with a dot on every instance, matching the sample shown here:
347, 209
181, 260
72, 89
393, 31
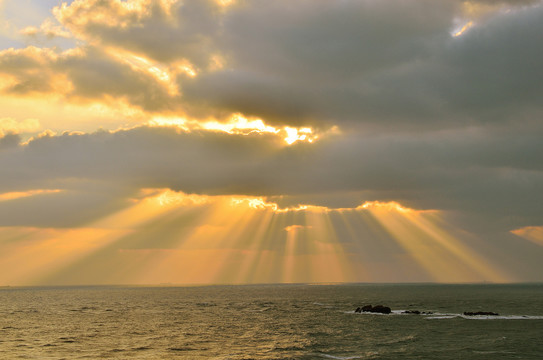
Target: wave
485, 317
399, 340
370, 354
438, 316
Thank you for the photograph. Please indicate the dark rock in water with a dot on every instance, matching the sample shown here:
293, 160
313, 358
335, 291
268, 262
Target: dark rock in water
415, 312
381, 309
358, 310
469, 313
375, 309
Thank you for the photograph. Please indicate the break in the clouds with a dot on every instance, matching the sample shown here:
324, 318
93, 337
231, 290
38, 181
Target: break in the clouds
299, 106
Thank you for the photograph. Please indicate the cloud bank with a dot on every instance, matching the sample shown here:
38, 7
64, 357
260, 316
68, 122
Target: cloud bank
464, 171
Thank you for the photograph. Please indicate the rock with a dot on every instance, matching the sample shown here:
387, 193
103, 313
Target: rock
469, 313
375, 309
415, 312
358, 310
381, 309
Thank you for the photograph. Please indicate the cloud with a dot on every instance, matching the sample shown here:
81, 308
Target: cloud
379, 65
163, 30
466, 172
48, 28
80, 75
9, 141
429, 120
12, 126
373, 63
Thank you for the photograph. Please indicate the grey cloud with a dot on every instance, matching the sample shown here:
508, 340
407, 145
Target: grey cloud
497, 66
65, 209
187, 32
466, 172
9, 141
331, 41
381, 65
375, 63
96, 76
301, 63
83, 78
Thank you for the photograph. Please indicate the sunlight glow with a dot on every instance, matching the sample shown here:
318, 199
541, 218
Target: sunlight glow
259, 203
303, 134
48, 28
440, 253
119, 14
294, 228
12, 126
225, 3
165, 75
459, 31
23, 194
217, 62
169, 197
531, 233
389, 206
168, 236
237, 124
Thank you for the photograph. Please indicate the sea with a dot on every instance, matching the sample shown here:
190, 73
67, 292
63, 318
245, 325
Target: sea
299, 321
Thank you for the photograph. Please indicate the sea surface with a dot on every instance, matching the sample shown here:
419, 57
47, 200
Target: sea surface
271, 322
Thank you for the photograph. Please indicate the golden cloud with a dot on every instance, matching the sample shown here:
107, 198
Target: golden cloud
12, 126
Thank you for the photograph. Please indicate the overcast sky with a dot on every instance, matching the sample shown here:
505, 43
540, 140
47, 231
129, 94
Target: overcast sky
282, 141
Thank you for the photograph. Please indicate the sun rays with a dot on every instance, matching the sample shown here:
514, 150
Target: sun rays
165, 236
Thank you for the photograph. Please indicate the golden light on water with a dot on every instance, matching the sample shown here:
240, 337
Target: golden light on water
165, 236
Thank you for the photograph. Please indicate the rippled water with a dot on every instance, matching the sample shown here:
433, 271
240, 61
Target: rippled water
271, 322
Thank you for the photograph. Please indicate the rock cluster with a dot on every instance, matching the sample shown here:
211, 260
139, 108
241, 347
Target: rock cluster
374, 309
469, 313
417, 312
386, 310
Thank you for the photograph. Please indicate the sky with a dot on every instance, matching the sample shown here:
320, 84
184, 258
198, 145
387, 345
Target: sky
252, 141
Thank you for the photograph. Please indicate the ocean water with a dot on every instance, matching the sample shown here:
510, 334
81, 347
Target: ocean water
271, 322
